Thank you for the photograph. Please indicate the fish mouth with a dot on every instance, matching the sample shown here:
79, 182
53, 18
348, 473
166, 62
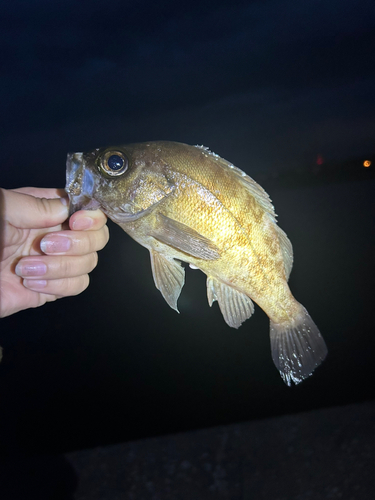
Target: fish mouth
80, 184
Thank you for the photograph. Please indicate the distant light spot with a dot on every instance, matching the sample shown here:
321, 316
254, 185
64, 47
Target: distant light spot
367, 163
319, 160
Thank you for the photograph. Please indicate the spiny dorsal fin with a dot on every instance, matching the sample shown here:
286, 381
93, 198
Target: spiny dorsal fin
253, 187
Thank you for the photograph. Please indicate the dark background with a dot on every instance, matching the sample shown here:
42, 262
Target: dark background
284, 90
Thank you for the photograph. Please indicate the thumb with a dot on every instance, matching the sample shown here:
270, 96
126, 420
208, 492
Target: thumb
28, 212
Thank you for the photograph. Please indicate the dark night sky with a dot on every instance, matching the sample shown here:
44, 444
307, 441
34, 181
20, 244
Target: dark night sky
268, 85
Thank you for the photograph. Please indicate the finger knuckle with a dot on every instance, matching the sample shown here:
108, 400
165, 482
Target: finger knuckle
94, 258
104, 237
45, 209
85, 244
85, 281
106, 230
92, 261
66, 267
75, 286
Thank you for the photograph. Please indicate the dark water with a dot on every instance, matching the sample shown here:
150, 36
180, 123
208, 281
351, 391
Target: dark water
116, 363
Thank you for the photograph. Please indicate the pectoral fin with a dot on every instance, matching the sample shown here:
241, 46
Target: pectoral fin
184, 238
235, 306
169, 277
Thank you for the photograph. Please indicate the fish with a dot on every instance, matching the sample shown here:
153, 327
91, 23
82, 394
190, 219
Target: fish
187, 204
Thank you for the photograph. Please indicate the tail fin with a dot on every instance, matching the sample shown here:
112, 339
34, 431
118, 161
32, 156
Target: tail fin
297, 348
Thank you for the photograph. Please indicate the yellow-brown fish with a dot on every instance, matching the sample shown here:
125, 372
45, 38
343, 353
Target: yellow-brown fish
185, 203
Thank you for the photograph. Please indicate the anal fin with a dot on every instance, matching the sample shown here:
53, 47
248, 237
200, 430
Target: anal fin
169, 277
236, 307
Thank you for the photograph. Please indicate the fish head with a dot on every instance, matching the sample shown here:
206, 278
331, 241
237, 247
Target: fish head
91, 177
124, 182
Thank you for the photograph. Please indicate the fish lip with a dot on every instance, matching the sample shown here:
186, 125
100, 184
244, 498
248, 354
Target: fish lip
80, 184
82, 203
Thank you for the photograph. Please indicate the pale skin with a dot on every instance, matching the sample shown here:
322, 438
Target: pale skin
43, 256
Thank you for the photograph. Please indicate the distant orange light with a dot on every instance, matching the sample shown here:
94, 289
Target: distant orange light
367, 163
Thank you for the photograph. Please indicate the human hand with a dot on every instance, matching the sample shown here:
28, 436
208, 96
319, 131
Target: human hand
42, 260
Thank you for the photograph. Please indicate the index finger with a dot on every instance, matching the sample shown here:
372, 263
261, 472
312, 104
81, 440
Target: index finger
87, 220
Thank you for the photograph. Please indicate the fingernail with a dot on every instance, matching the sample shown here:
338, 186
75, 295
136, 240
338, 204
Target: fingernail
82, 223
65, 201
31, 269
55, 244
35, 284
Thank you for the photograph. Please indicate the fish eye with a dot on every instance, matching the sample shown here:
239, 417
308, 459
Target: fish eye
114, 163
